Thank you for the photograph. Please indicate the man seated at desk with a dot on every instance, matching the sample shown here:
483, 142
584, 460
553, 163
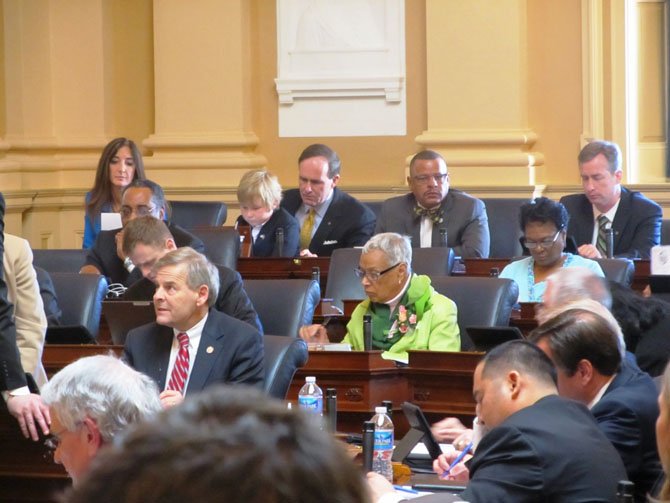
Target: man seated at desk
539, 447
407, 313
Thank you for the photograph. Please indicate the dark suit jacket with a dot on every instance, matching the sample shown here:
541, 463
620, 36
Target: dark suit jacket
552, 451
264, 246
103, 254
464, 217
346, 224
11, 372
627, 415
230, 351
653, 349
231, 300
637, 223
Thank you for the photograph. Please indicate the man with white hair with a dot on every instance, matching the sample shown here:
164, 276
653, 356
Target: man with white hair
91, 401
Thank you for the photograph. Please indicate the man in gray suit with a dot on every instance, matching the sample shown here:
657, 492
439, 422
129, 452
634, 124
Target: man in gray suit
431, 209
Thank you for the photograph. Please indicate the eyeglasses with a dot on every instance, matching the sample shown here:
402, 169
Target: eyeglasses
373, 276
545, 243
140, 211
423, 179
53, 440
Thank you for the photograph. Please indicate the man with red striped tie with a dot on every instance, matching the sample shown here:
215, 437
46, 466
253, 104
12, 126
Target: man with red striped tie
192, 346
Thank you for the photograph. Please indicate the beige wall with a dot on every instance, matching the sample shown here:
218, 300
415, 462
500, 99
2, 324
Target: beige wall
496, 85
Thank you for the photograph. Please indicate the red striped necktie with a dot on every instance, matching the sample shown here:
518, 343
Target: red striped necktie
181, 365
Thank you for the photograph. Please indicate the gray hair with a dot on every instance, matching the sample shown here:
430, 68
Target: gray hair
610, 150
104, 389
199, 270
578, 283
396, 247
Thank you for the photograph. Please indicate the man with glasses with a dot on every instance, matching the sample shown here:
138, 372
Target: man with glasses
605, 204
91, 401
432, 214
140, 198
329, 218
407, 313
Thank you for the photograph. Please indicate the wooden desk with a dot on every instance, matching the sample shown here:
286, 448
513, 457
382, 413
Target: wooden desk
283, 268
57, 356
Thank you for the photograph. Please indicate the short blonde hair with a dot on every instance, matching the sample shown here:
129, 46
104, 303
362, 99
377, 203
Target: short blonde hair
259, 184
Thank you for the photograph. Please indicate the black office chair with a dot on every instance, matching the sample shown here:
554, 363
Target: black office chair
283, 305
433, 261
665, 231
282, 357
480, 301
375, 206
222, 244
342, 282
80, 299
70, 260
620, 270
504, 229
191, 214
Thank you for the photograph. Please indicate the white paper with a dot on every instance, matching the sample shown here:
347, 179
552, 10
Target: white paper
420, 449
110, 221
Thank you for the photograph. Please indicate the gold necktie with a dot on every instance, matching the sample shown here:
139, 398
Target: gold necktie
306, 230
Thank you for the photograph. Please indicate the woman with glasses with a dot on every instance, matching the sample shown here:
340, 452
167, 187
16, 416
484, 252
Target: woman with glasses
407, 313
544, 223
120, 163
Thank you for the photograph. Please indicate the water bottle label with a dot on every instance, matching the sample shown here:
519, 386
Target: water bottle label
383, 440
311, 403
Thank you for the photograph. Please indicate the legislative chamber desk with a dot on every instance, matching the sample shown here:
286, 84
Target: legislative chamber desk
283, 268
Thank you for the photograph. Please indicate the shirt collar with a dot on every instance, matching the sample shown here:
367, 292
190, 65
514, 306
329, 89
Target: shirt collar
602, 391
394, 301
609, 214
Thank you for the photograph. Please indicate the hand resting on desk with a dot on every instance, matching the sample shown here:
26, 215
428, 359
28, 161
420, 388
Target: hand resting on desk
314, 333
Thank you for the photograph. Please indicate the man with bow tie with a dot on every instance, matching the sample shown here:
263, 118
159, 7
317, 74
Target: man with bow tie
432, 214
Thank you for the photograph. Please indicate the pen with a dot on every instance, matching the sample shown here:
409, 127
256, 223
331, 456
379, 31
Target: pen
405, 489
458, 459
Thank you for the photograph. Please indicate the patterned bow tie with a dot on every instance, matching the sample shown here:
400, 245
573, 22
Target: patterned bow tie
434, 214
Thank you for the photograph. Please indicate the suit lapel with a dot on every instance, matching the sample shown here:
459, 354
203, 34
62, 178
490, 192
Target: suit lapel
328, 221
211, 343
446, 207
622, 216
584, 232
161, 356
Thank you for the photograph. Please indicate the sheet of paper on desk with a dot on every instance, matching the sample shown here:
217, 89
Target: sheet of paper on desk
420, 449
332, 346
110, 221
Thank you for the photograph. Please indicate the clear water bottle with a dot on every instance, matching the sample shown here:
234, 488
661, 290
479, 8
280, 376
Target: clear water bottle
381, 459
310, 397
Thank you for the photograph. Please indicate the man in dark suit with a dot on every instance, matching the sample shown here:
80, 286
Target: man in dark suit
432, 209
539, 447
106, 257
622, 398
329, 218
192, 346
634, 219
147, 239
28, 408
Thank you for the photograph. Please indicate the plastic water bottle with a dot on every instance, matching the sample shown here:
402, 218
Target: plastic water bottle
310, 398
381, 460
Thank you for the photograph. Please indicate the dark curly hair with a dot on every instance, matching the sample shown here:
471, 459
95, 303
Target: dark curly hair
544, 210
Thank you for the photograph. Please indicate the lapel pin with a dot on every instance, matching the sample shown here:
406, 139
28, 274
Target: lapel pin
210, 350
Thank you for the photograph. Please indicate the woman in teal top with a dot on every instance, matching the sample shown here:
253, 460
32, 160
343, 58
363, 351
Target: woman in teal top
407, 312
544, 223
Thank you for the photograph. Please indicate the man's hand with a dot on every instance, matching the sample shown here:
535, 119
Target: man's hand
307, 253
459, 472
314, 333
28, 410
170, 398
447, 429
119, 245
589, 251
378, 486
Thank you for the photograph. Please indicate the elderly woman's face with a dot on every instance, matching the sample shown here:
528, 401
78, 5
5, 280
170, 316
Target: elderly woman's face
389, 283
545, 242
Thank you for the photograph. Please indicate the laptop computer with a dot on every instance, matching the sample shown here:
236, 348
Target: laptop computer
486, 338
124, 315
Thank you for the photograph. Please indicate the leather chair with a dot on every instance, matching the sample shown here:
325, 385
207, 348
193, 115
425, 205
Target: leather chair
80, 299
375, 206
283, 305
480, 301
60, 260
504, 228
433, 261
191, 214
620, 270
222, 244
282, 357
665, 232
